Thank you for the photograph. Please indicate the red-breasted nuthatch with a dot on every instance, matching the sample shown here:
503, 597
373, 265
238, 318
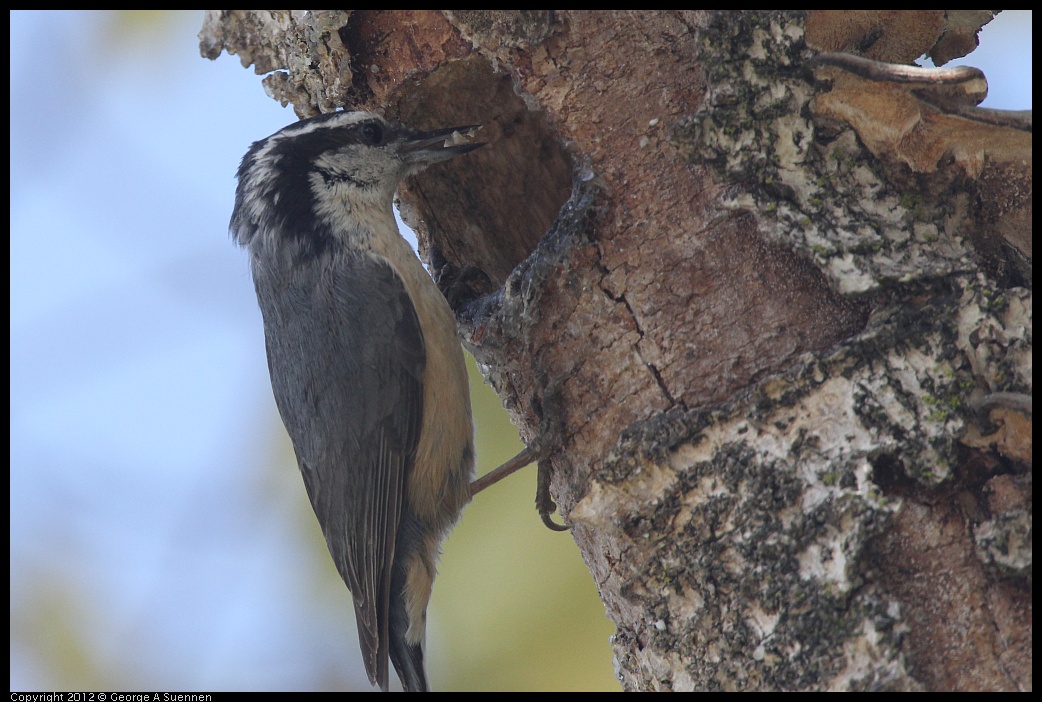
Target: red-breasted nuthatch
366, 368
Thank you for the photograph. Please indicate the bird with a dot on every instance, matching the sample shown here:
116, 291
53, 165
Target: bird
366, 367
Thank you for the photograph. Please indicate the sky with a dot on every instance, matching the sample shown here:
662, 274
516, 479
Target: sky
160, 535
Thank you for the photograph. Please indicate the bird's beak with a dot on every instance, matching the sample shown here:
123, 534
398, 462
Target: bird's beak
439, 145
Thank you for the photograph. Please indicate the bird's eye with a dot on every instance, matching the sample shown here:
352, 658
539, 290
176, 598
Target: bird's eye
372, 133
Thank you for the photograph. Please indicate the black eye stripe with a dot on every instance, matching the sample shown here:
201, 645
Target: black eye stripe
372, 134
331, 177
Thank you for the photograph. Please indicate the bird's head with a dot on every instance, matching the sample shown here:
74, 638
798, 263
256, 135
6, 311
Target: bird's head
332, 172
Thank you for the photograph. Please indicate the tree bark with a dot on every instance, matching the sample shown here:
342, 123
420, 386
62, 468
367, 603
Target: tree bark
768, 292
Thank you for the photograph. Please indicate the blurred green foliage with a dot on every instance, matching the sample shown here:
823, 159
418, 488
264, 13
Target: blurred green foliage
514, 607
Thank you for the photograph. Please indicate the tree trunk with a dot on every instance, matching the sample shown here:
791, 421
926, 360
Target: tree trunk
768, 292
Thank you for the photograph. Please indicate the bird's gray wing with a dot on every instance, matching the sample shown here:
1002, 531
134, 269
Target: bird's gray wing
346, 356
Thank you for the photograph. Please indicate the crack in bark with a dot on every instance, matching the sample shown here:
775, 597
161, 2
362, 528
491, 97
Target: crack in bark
640, 331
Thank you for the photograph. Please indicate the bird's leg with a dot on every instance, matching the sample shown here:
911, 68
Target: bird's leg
550, 434
530, 454
544, 504
536, 452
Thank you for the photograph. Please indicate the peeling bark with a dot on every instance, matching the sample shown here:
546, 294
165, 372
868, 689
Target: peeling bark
762, 300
